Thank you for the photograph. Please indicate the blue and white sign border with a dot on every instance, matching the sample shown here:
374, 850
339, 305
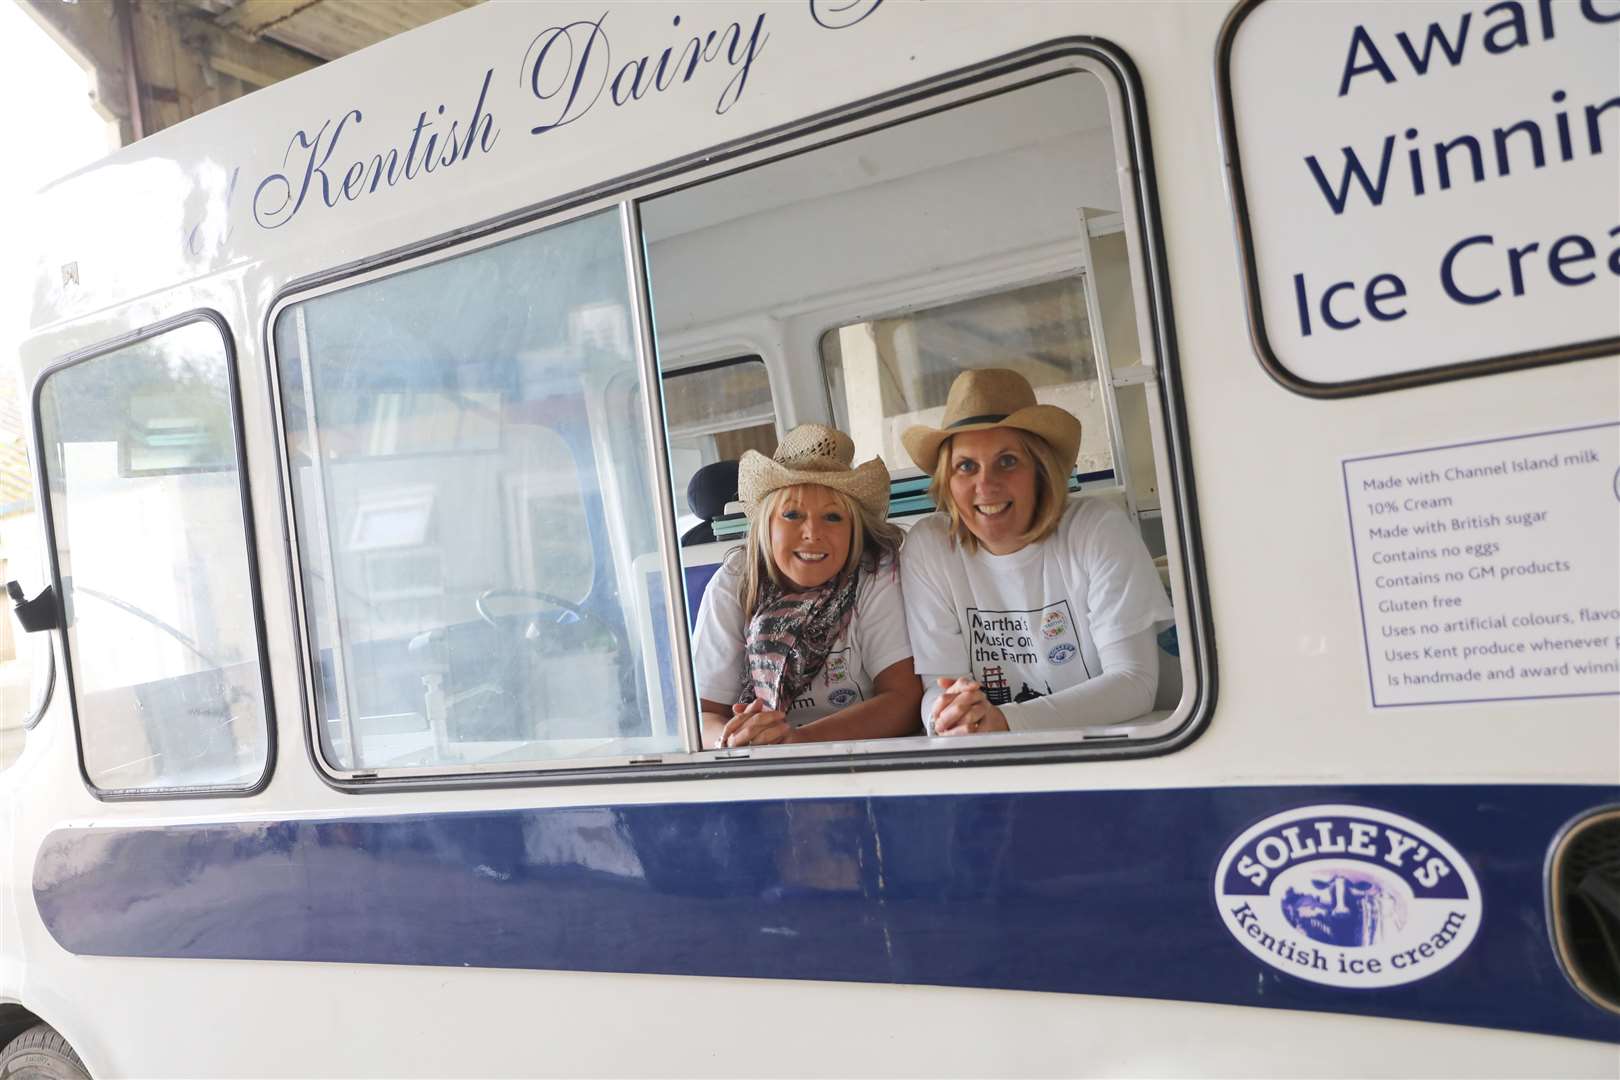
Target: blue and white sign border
1258, 334
1262, 929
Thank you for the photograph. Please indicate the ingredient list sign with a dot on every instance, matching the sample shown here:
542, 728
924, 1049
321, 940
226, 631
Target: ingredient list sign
1490, 571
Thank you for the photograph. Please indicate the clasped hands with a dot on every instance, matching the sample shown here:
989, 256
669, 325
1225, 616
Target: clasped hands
755, 725
964, 710
961, 710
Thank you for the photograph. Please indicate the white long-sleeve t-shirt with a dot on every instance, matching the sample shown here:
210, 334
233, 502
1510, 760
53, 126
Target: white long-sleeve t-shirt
1059, 634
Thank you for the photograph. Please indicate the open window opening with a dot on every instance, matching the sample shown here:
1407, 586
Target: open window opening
877, 268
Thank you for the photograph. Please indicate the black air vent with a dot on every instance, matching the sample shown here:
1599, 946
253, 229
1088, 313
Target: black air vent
1584, 902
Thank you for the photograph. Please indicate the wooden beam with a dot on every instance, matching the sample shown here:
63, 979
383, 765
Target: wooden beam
186, 63
132, 69
253, 17
89, 33
257, 63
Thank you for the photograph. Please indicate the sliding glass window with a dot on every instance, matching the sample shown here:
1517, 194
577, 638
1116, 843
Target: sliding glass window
476, 522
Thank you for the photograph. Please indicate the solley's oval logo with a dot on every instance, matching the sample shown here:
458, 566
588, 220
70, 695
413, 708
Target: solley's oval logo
1348, 896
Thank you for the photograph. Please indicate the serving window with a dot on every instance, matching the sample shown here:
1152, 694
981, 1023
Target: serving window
486, 517
990, 233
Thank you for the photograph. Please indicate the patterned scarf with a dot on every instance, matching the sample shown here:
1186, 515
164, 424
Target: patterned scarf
789, 637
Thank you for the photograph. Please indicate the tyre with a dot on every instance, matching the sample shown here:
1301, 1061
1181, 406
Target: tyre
40, 1054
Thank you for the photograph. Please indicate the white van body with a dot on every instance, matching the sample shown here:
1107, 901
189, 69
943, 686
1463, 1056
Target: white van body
1046, 907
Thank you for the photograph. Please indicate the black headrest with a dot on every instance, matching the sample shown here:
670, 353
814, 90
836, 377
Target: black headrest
711, 488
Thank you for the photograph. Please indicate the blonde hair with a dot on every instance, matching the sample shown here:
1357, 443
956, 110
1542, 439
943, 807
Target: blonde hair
868, 538
1051, 492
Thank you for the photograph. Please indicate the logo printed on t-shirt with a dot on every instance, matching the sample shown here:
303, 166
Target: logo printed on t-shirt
994, 682
837, 667
1011, 637
842, 696
1010, 649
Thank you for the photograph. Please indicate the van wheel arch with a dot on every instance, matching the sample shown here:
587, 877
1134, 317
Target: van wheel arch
14, 1020
37, 1050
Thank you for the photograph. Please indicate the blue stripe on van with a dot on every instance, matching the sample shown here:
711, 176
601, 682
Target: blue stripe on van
1105, 892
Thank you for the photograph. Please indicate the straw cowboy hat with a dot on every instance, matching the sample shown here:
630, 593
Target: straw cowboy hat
992, 398
813, 454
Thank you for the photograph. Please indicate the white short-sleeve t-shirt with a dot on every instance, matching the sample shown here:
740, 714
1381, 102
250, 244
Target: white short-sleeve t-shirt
1029, 624
875, 639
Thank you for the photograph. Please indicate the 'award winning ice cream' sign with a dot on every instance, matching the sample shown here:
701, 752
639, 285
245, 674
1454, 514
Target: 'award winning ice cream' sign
1426, 184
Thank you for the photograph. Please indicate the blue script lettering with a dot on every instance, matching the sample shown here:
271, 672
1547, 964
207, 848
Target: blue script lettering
570, 66
273, 217
275, 201
841, 14
572, 58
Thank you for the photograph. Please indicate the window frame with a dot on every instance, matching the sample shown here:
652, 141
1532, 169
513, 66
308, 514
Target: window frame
986, 287
733, 358
652, 407
250, 556
1150, 287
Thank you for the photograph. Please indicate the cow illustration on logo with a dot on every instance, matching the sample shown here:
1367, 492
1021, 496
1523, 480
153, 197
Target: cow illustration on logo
1348, 896
1345, 906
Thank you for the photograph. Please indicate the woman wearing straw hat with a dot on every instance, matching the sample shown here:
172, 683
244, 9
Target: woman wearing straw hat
1029, 611
803, 638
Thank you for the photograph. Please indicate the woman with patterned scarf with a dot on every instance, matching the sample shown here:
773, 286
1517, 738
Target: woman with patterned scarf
801, 636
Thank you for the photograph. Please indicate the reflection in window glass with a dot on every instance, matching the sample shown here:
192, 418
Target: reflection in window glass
888, 374
146, 505
475, 510
714, 413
